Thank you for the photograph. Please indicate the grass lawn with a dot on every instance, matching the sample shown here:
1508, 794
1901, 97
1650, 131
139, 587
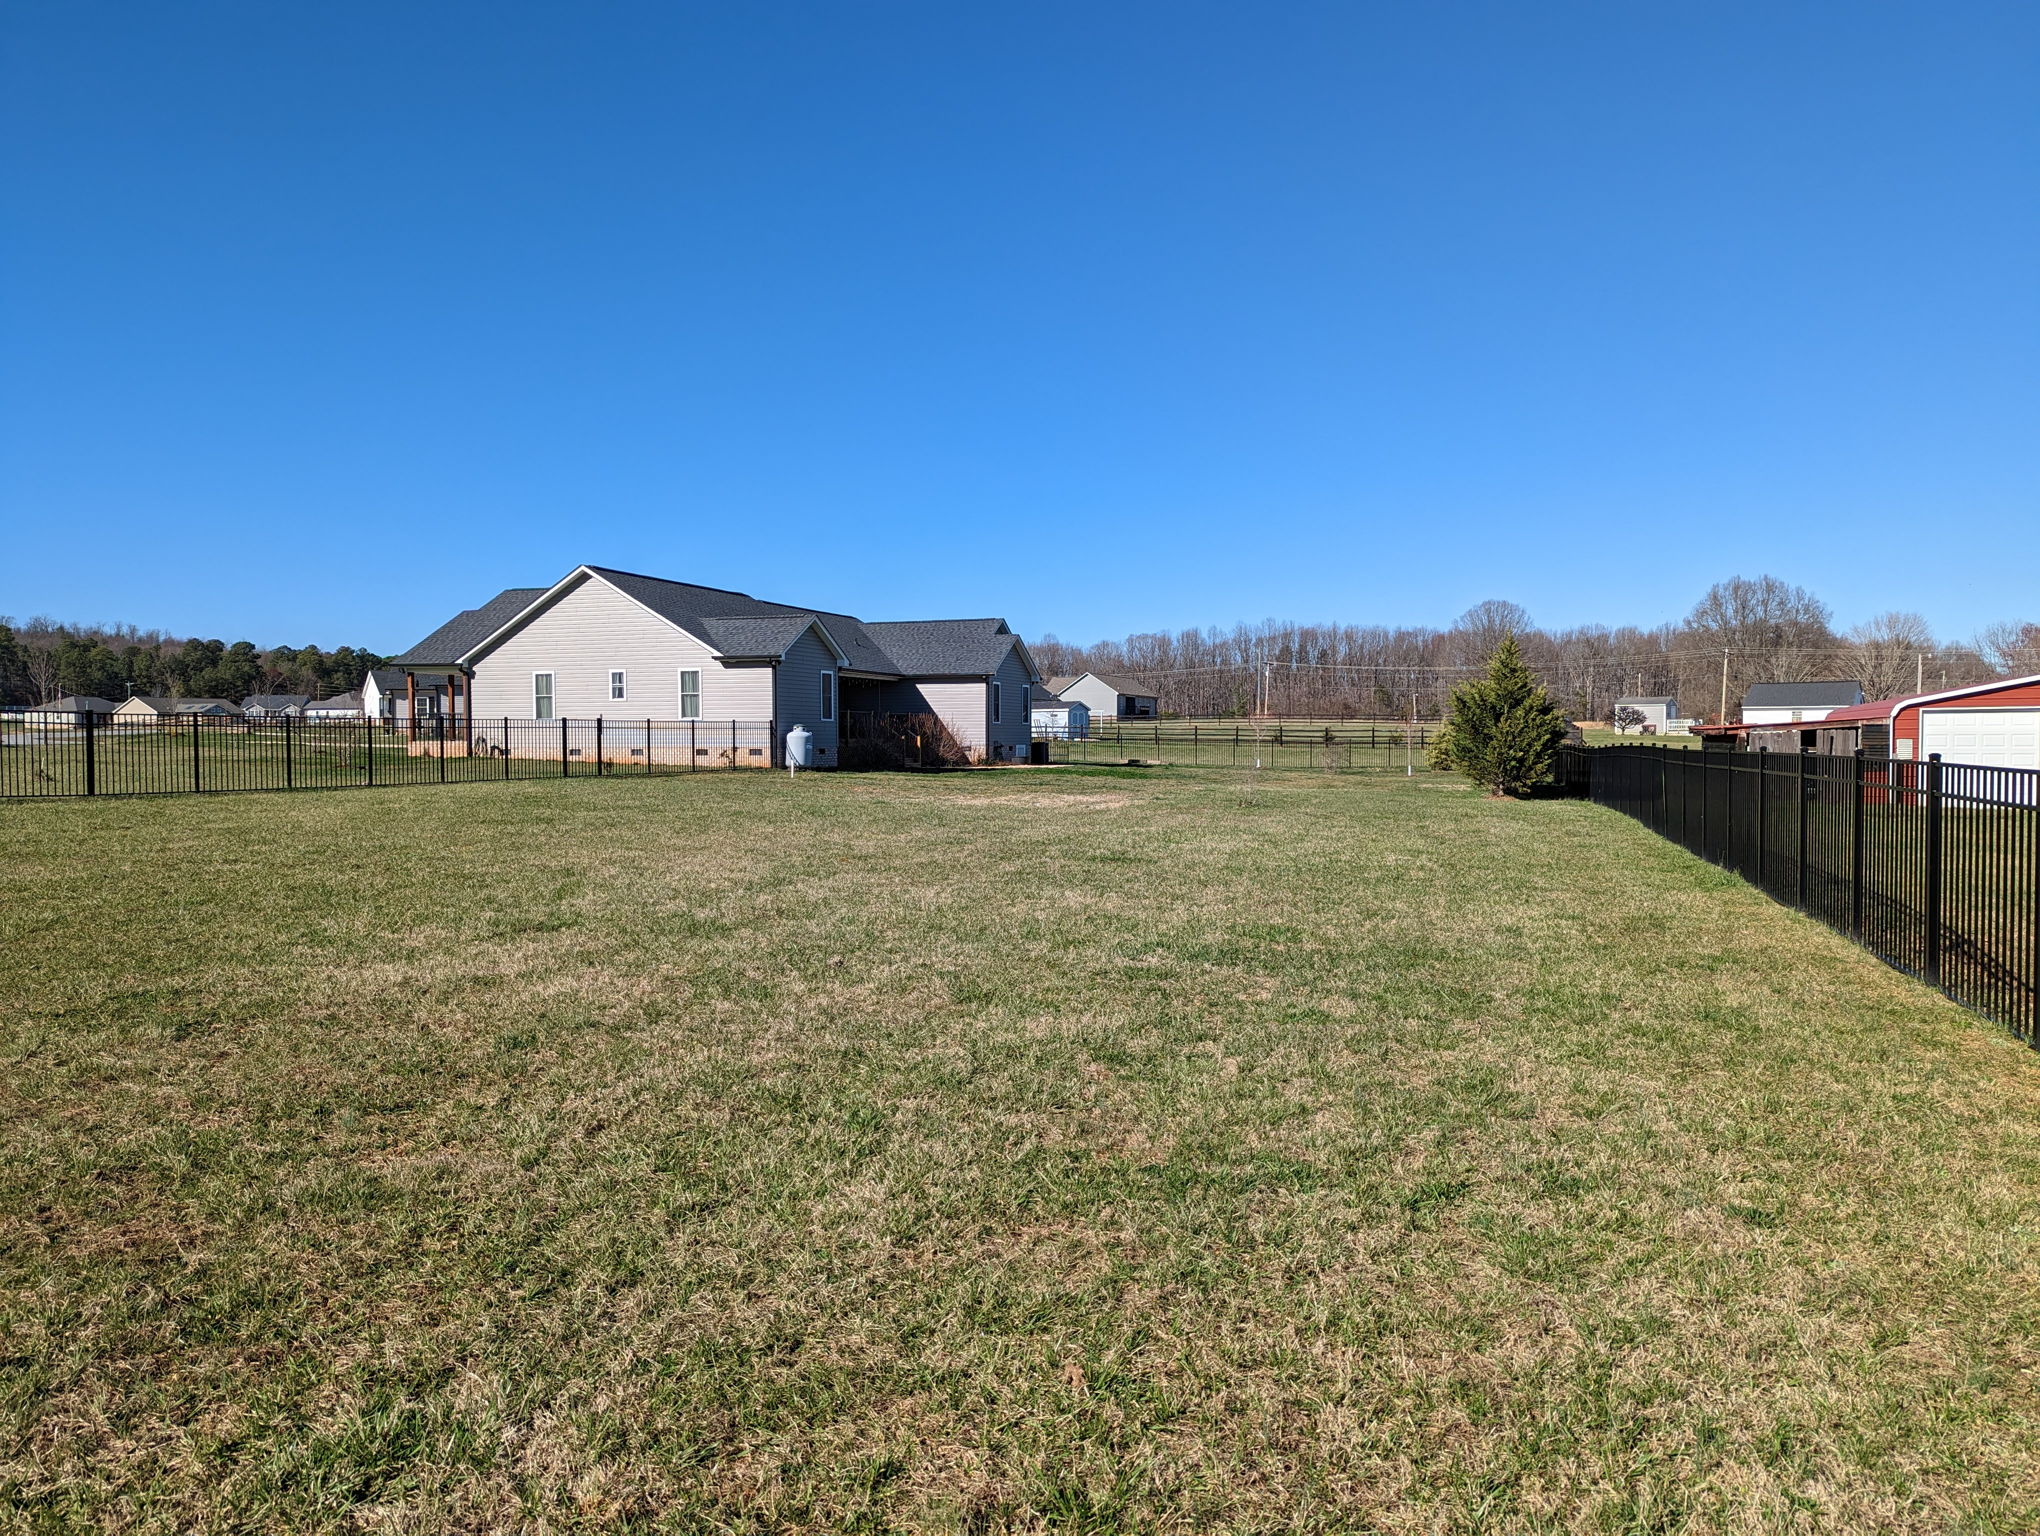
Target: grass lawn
1018, 1151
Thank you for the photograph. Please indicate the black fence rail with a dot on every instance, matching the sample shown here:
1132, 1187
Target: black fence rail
1933, 867
59, 756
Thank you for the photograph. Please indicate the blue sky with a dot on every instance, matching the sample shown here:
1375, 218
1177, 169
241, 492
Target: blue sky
318, 322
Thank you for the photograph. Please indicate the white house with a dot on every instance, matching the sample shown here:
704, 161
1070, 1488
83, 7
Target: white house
1061, 719
615, 645
342, 706
1108, 697
1658, 711
73, 709
1784, 703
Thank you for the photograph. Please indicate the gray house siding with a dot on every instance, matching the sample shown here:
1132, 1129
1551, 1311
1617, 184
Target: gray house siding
959, 703
590, 632
800, 695
1010, 734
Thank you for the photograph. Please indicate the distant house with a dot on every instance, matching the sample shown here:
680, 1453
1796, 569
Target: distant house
262, 706
71, 710
1061, 719
1658, 711
146, 706
1787, 703
615, 645
1107, 695
342, 706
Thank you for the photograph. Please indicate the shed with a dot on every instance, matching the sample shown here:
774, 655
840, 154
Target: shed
1061, 719
1658, 711
1994, 724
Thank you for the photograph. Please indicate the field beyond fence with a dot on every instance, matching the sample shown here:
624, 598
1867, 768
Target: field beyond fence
1933, 867
1327, 744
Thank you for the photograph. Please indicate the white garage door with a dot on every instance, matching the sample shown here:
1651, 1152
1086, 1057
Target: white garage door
2001, 738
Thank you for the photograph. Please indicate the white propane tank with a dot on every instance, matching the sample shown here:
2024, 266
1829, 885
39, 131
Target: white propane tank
798, 741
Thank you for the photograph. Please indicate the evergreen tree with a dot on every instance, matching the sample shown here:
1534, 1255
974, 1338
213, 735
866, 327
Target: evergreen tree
1504, 731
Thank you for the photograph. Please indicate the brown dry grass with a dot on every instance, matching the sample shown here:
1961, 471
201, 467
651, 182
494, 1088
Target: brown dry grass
857, 1155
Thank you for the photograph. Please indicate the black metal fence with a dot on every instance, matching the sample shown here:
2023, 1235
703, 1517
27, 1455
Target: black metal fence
1241, 743
52, 755
1934, 867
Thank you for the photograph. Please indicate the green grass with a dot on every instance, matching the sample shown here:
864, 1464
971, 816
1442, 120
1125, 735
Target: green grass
1016, 1151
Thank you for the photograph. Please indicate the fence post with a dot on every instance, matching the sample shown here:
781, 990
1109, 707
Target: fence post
289, 781
368, 750
1856, 853
1763, 786
733, 743
1933, 968
563, 746
439, 728
506, 746
693, 746
1800, 865
194, 755
91, 754
598, 746
648, 746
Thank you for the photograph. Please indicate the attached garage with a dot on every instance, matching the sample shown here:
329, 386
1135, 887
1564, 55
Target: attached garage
2003, 737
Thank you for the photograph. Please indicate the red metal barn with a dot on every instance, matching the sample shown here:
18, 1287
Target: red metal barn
1995, 724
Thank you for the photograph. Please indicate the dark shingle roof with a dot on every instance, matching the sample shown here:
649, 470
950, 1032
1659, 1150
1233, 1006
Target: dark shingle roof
76, 704
276, 700
1822, 695
939, 647
1667, 700
762, 637
464, 631
691, 607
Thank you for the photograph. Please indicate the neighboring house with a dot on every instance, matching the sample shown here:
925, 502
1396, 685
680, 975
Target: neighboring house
71, 709
342, 706
386, 694
262, 706
145, 706
1787, 703
1061, 719
622, 646
1658, 712
1107, 695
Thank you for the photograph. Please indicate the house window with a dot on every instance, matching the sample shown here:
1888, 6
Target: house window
996, 716
616, 685
690, 695
828, 695
541, 695
1027, 703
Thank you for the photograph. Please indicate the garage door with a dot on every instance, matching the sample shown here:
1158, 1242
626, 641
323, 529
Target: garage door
2001, 738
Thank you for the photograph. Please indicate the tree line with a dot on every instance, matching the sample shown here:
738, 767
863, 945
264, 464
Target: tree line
42, 660
1744, 630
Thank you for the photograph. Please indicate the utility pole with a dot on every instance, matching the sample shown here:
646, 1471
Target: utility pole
1723, 716
1919, 672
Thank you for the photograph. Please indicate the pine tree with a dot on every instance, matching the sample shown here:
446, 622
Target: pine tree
1504, 731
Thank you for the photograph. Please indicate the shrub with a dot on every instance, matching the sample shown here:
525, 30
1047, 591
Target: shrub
1503, 731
